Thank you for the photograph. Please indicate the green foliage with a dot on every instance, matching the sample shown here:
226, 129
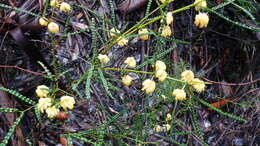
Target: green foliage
37, 114
18, 95
11, 130
89, 77
18, 10
105, 83
8, 110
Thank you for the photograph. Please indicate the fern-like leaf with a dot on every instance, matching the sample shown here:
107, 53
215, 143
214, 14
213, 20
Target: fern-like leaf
8, 110
105, 83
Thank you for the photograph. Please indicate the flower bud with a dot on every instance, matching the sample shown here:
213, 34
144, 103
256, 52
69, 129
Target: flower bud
169, 18
179, 94
161, 75
198, 85
127, 80
42, 91
160, 65
52, 112
201, 20
166, 31
65, 7
67, 102
54, 3
148, 86
114, 32
168, 117
43, 104
200, 4
145, 36
166, 127
130, 62
157, 128
103, 58
122, 41
43, 21
187, 76
53, 27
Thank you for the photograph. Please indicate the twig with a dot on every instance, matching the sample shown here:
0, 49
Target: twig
232, 84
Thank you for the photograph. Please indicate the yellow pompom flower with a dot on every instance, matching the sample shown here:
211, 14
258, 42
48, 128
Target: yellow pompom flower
127, 80
200, 4
65, 7
42, 91
198, 85
54, 3
114, 32
179, 94
52, 112
145, 36
169, 18
53, 27
130, 62
160, 65
157, 128
161, 75
166, 31
122, 41
166, 127
201, 20
103, 58
187, 76
148, 86
43, 21
168, 117
67, 102
43, 104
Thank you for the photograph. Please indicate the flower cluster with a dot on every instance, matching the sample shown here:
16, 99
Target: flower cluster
166, 30
52, 26
121, 41
50, 105
201, 19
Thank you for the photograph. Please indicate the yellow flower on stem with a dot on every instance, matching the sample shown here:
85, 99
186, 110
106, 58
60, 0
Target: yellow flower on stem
166, 31
122, 41
52, 112
54, 3
157, 128
148, 86
127, 80
130, 62
67, 102
43, 104
166, 127
161, 75
179, 94
65, 7
201, 20
53, 27
168, 117
145, 36
187, 76
43, 21
42, 91
198, 85
169, 18
103, 58
200, 4
160, 65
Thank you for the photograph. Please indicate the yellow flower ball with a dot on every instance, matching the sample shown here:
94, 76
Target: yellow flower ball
157, 128
201, 20
67, 102
148, 86
52, 112
168, 117
166, 31
166, 127
160, 65
127, 80
43, 104
130, 62
103, 58
145, 36
198, 85
169, 18
114, 32
42, 91
161, 75
53, 27
54, 3
43, 21
187, 76
200, 4
65, 7
179, 94
122, 42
